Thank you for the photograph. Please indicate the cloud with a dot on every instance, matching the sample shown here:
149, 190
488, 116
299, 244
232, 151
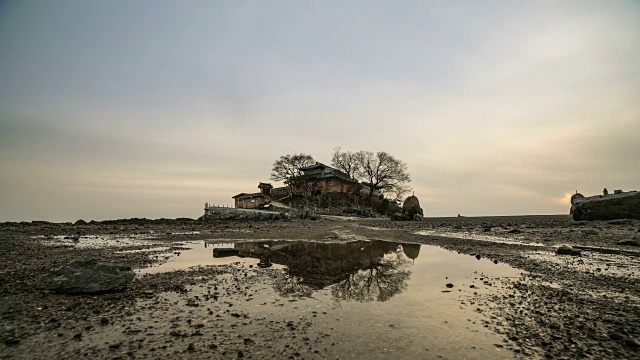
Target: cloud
497, 108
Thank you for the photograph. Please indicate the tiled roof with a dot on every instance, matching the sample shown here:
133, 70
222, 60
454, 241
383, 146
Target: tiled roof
248, 196
315, 177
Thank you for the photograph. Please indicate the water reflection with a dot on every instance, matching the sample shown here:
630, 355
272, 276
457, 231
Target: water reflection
360, 271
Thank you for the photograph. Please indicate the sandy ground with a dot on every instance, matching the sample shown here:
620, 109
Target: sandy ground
560, 307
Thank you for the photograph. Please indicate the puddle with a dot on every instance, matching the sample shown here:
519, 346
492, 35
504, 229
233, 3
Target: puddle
373, 299
301, 299
196, 253
477, 237
346, 267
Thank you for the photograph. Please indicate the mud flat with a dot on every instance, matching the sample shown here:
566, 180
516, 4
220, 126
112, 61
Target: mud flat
489, 287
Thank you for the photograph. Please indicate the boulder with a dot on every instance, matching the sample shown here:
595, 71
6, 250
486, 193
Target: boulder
411, 206
568, 250
86, 276
411, 210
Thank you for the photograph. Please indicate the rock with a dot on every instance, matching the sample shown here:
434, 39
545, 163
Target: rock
12, 342
411, 206
449, 285
86, 276
567, 250
400, 217
178, 333
632, 343
411, 210
629, 242
623, 205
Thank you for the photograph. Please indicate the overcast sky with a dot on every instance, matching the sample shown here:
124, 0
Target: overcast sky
116, 109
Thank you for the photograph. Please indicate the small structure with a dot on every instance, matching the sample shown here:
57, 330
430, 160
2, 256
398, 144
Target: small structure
265, 188
250, 201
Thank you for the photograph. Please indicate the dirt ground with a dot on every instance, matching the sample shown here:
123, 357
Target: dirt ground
560, 307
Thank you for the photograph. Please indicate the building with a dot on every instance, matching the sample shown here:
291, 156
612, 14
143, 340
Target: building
254, 200
315, 180
320, 178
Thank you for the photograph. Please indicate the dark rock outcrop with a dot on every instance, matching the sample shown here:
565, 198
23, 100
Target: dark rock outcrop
629, 242
568, 250
411, 206
234, 214
86, 276
623, 205
411, 210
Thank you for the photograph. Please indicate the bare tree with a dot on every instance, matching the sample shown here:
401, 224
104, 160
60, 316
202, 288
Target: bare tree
383, 172
345, 161
287, 167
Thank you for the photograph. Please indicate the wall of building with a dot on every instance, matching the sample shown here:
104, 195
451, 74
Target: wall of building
250, 203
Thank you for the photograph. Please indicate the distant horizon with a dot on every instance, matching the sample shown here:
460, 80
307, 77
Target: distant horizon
122, 109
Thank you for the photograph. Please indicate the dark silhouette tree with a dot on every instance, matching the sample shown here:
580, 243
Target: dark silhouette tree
287, 167
346, 161
383, 172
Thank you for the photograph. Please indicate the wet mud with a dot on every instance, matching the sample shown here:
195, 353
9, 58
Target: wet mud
439, 288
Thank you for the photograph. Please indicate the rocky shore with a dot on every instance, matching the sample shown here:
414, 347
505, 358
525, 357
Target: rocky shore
585, 304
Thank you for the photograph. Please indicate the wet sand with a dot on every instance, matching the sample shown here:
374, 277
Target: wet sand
544, 305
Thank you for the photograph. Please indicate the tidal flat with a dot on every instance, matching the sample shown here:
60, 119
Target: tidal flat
464, 287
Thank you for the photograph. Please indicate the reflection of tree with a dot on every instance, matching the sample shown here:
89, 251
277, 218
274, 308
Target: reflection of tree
381, 282
287, 285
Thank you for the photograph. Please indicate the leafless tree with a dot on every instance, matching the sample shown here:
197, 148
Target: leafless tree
288, 167
345, 161
383, 172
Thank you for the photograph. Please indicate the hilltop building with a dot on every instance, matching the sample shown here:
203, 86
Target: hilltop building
316, 179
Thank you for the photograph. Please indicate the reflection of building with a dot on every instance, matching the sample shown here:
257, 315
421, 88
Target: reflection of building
320, 264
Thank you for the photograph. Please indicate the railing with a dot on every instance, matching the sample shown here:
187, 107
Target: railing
211, 206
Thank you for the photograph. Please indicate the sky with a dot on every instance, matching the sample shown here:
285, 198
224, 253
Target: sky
114, 109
